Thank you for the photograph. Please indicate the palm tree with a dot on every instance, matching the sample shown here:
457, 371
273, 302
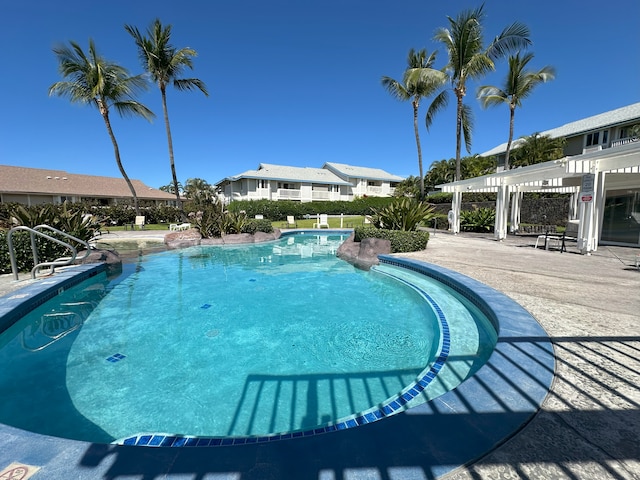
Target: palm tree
199, 191
518, 85
537, 148
165, 64
419, 80
94, 81
469, 59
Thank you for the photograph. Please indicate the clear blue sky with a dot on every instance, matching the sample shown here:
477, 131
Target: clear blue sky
295, 82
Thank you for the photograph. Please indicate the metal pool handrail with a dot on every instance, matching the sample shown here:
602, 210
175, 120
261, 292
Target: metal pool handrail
59, 262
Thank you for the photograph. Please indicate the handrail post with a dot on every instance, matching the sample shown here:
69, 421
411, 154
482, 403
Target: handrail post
12, 256
34, 247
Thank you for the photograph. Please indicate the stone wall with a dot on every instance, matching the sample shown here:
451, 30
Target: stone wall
537, 211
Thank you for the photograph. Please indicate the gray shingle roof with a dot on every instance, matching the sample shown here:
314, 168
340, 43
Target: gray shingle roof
268, 171
23, 180
362, 172
596, 122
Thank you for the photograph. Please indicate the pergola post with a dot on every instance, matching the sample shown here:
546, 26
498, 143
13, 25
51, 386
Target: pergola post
502, 207
516, 199
456, 202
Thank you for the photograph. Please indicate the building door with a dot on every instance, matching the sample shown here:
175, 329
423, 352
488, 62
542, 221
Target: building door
621, 218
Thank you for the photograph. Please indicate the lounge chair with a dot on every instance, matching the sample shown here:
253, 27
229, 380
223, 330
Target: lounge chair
322, 222
290, 223
178, 227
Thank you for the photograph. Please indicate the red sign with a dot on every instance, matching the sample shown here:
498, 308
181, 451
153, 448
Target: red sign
586, 198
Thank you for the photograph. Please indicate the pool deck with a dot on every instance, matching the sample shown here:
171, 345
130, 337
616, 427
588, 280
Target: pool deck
588, 426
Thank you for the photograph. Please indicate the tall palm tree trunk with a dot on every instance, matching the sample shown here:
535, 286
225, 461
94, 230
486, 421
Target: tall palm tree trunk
170, 143
512, 113
116, 152
416, 106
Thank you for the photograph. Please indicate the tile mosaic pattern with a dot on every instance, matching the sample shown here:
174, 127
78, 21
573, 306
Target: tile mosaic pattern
390, 407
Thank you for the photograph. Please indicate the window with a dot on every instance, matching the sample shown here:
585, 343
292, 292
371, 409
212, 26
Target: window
597, 138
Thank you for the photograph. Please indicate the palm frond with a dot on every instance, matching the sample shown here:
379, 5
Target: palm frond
438, 104
513, 38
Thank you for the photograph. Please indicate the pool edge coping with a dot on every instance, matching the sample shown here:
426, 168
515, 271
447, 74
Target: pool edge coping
514, 321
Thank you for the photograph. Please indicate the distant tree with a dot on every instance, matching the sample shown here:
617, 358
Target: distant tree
518, 85
442, 171
468, 59
165, 65
409, 187
537, 148
171, 188
94, 81
199, 191
419, 80
476, 166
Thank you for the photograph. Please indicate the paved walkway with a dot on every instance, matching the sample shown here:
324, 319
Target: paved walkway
589, 425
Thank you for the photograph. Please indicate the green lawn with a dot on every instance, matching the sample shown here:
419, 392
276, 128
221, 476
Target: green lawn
334, 222
348, 222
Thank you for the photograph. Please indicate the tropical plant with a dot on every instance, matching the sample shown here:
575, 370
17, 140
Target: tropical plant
518, 85
442, 171
402, 214
409, 187
478, 220
92, 80
171, 188
537, 148
165, 64
199, 191
469, 59
420, 80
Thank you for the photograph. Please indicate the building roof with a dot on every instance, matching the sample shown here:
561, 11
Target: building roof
38, 181
596, 122
361, 172
283, 173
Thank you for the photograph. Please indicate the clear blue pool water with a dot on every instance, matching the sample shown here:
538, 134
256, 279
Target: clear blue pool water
230, 341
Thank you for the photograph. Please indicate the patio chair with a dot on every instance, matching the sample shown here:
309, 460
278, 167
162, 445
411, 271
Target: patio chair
290, 223
322, 222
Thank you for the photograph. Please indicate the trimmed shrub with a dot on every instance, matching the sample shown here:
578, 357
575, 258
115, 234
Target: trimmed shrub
401, 241
277, 210
478, 220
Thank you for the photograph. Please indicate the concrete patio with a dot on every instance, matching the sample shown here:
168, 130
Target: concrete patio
589, 425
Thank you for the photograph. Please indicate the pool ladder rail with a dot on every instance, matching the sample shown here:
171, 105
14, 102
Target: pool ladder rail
58, 262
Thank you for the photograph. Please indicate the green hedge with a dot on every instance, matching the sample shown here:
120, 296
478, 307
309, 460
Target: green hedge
277, 210
401, 241
47, 251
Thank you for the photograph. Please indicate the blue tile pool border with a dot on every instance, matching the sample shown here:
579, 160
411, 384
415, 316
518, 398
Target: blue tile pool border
481, 413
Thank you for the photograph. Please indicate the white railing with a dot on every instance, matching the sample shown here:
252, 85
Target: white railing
624, 141
288, 194
377, 190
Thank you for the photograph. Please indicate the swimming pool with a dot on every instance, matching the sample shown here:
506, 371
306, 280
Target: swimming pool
182, 296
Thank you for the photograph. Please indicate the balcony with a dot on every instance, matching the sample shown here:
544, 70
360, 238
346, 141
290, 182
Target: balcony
624, 141
288, 194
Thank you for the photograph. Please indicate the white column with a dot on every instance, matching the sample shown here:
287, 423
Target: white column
516, 198
456, 202
500, 226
